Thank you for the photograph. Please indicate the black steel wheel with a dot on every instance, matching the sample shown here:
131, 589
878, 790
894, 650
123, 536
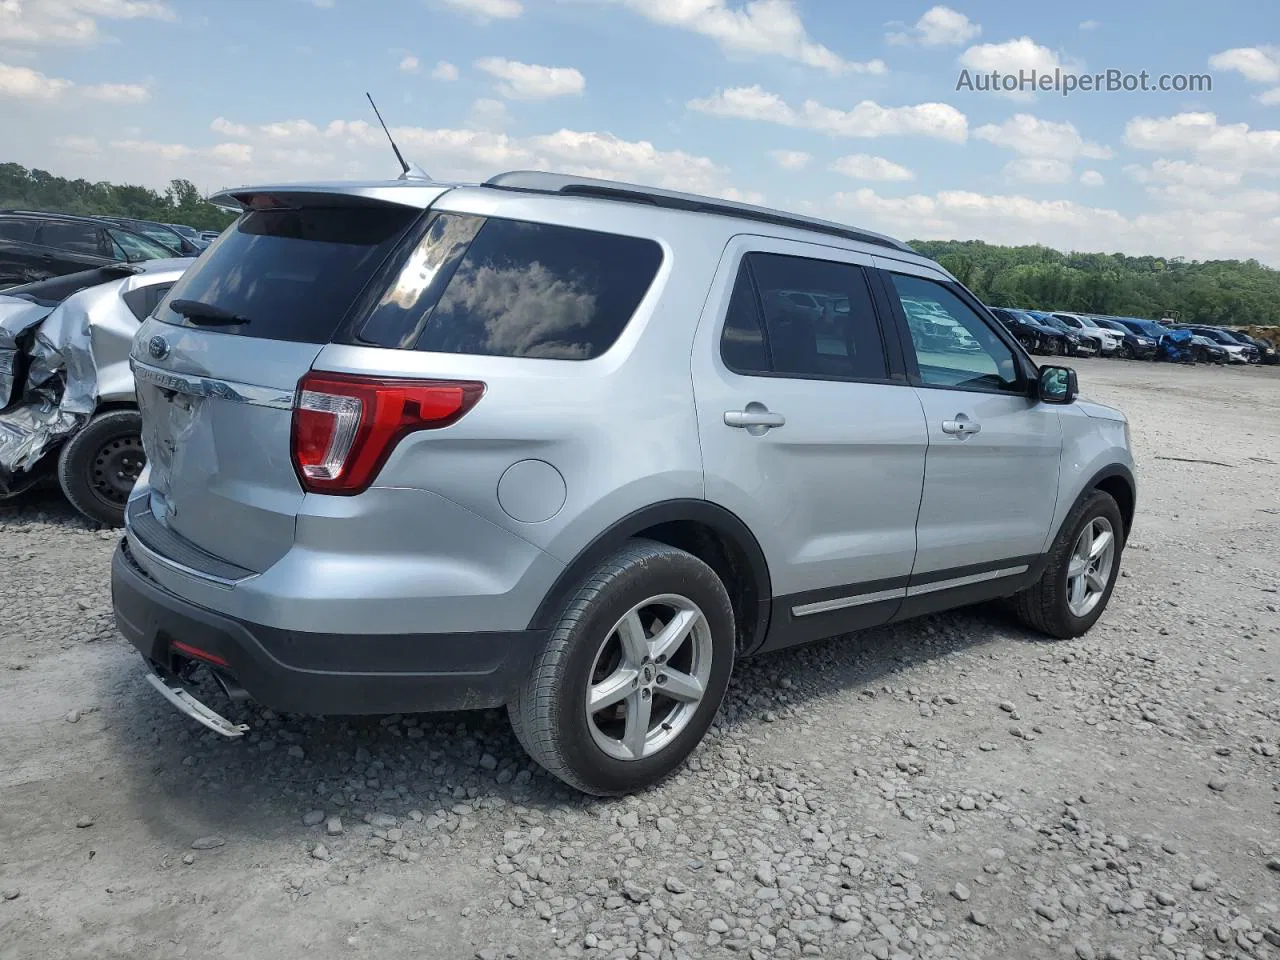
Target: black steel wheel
99, 465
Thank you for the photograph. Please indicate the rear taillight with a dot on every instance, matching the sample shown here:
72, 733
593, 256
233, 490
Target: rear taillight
345, 425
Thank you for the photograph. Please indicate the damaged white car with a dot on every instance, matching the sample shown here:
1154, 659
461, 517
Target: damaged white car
67, 407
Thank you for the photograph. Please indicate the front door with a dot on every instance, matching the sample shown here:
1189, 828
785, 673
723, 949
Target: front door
991, 475
810, 432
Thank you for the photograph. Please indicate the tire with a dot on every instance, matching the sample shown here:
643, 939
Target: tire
1126, 351
100, 463
1045, 606
550, 715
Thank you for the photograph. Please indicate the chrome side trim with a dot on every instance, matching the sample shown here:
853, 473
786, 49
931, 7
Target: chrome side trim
194, 709
195, 386
842, 603
966, 581
136, 544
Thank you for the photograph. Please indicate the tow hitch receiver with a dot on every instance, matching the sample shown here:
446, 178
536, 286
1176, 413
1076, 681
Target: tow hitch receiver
178, 695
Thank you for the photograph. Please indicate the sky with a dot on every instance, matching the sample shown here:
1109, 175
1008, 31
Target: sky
873, 114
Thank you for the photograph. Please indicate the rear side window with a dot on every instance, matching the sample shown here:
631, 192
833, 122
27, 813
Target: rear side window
508, 288
804, 318
293, 272
72, 237
20, 230
142, 300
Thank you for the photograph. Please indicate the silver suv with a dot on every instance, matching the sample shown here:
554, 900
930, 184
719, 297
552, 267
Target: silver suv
573, 447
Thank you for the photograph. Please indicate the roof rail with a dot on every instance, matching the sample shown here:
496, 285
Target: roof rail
534, 181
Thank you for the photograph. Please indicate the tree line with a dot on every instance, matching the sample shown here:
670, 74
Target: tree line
1229, 292
181, 202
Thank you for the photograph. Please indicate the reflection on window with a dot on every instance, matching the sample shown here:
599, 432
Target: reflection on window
954, 347
513, 289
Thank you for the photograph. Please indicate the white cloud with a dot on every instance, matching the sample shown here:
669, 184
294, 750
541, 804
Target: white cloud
240, 154
1233, 146
166, 151
23, 83
866, 119
488, 114
1032, 137
444, 70
409, 64
487, 9
759, 27
939, 26
1038, 170
530, 81
1092, 178
1089, 24
1207, 233
1270, 98
1012, 57
1260, 64
78, 144
70, 22
224, 126
1185, 173
790, 159
863, 166
117, 92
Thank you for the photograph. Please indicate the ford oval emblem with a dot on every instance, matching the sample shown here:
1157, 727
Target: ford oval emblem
158, 348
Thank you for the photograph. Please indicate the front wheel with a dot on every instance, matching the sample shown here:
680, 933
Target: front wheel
99, 465
1083, 565
633, 673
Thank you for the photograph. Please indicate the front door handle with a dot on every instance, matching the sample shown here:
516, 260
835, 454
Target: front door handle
756, 418
961, 426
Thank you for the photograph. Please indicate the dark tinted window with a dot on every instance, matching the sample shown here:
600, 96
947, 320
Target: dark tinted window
509, 288
819, 319
14, 229
293, 272
72, 237
145, 299
742, 344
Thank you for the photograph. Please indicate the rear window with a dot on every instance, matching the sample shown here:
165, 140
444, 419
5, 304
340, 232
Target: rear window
293, 272
508, 288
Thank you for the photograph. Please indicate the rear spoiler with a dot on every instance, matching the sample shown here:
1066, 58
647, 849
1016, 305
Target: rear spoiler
404, 193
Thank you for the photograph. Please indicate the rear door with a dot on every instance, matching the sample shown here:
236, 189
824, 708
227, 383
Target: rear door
991, 477
71, 245
217, 399
810, 433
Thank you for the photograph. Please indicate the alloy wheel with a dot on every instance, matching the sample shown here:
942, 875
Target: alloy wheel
648, 677
1089, 569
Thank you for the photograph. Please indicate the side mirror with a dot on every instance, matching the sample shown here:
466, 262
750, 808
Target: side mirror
1057, 385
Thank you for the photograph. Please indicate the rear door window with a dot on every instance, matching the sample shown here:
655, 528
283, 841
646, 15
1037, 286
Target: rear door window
509, 288
293, 272
804, 318
23, 231
83, 238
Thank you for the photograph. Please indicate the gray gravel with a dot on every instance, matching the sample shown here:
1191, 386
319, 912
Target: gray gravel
950, 788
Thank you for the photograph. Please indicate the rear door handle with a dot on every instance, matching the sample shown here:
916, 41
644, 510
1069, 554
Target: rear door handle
756, 418
961, 426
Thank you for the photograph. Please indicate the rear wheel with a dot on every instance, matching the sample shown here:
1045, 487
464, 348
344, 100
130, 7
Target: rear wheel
632, 675
1083, 565
99, 465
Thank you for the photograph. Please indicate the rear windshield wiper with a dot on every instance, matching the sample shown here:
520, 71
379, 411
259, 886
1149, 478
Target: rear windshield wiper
205, 313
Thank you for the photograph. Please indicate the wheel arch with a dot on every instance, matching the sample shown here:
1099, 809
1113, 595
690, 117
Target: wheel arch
715, 535
1116, 480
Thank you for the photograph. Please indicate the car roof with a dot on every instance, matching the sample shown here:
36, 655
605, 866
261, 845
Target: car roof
419, 192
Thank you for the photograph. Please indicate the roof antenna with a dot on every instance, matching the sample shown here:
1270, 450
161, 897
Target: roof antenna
410, 171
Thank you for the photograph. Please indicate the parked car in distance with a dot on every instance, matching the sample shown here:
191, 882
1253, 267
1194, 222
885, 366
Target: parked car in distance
101, 311
1237, 352
1204, 350
162, 233
208, 236
1079, 343
1133, 345
1108, 340
191, 233
367, 493
1267, 353
36, 246
1031, 333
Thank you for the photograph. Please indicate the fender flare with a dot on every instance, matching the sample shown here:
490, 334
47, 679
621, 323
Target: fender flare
1106, 473
711, 515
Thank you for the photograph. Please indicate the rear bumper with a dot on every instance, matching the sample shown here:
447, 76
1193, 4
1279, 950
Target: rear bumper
317, 673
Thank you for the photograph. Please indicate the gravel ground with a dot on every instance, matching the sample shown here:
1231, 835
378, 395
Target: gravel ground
954, 787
